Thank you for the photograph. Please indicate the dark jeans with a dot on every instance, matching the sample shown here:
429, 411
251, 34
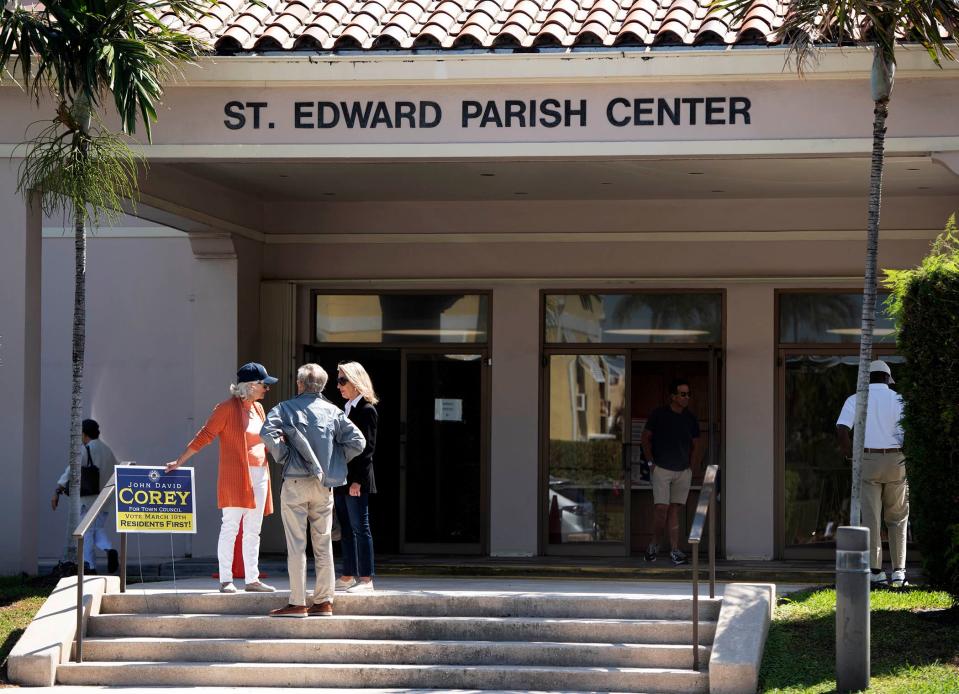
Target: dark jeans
353, 513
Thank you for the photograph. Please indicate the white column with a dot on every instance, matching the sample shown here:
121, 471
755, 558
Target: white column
514, 493
749, 486
20, 267
215, 316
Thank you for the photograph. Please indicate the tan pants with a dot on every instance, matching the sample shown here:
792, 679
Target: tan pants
304, 502
885, 494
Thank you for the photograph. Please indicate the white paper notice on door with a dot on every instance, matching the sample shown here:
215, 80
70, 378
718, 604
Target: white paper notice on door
448, 410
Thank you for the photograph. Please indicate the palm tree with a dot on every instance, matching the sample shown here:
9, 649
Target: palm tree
78, 53
810, 25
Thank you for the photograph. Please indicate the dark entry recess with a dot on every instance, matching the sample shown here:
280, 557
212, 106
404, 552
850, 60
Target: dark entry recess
383, 365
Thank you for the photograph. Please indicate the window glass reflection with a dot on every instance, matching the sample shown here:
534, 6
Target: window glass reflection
817, 477
586, 487
634, 318
816, 317
410, 318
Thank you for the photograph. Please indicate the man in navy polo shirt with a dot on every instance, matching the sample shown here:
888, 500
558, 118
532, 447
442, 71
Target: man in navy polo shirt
670, 444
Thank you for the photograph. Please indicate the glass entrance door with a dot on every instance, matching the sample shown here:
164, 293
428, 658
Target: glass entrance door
652, 374
442, 452
587, 453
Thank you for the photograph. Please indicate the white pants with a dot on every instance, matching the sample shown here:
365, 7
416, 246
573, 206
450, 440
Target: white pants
96, 537
252, 520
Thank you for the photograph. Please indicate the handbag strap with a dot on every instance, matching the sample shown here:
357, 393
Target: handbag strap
89, 457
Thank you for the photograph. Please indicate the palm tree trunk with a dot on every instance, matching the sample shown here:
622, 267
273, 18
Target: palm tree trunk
868, 307
79, 345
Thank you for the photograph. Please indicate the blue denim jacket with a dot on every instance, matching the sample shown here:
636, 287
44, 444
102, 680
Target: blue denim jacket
309, 435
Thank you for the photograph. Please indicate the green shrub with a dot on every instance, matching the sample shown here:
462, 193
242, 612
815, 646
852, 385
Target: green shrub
925, 304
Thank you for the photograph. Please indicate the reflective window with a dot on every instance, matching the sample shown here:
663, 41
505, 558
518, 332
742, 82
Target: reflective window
817, 477
379, 318
586, 486
634, 318
818, 317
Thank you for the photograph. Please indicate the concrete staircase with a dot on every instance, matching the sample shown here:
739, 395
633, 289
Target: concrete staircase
442, 640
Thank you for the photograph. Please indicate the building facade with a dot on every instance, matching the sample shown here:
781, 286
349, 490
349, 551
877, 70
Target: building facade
524, 248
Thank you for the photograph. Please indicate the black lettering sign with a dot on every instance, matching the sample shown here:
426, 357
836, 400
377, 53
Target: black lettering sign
234, 112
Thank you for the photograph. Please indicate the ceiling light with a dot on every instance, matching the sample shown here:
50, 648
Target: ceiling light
913, 169
606, 183
718, 191
657, 332
487, 175
329, 194
923, 188
520, 193
882, 332
436, 332
694, 173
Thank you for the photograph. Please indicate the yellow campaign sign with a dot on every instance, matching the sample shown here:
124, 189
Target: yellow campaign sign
151, 500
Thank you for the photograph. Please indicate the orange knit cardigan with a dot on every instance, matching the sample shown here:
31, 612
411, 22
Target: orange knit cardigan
233, 486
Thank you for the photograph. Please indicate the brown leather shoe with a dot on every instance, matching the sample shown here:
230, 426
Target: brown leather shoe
289, 611
323, 609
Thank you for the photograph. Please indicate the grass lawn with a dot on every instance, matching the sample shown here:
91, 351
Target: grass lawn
915, 643
20, 598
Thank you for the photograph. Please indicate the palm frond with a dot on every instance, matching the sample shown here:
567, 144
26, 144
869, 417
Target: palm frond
70, 170
809, 25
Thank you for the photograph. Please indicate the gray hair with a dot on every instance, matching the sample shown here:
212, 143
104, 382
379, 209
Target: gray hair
242, 390
312, 377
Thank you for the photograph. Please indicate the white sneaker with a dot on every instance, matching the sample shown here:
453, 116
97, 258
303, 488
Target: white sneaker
344, 585
362, 587
227, 587
878, 579
259, 587
898, 578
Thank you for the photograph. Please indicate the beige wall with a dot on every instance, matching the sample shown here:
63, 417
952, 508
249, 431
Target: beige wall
138, 364
748, 501
514, 473
20, 413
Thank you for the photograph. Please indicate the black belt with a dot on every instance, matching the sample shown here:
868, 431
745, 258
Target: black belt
882, 450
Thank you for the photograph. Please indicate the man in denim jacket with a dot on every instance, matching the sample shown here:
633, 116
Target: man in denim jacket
313, 440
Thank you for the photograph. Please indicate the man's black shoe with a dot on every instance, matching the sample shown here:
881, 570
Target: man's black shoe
113, 561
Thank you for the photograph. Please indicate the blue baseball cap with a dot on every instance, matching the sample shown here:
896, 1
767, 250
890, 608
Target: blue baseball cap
254, 372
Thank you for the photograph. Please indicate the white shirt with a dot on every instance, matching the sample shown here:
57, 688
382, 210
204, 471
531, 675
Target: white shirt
883, 415
102, 457
351, 404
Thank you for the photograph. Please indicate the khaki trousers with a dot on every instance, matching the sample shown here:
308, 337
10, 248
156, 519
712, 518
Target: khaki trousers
885, 494
304, 502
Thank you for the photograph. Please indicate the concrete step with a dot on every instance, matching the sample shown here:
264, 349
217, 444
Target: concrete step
422, 604
392, 652
396, 627
399, 676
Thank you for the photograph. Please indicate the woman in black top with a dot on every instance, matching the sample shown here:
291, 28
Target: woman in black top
352, 500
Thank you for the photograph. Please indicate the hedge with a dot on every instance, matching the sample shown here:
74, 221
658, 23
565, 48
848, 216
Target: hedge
925, 305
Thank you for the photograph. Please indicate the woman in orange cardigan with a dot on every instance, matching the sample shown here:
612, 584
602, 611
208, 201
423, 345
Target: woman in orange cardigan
243, 480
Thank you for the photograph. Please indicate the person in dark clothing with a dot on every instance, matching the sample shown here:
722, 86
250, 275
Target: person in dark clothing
671, 445
352, 501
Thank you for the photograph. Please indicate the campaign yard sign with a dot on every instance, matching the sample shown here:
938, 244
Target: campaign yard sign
151, 500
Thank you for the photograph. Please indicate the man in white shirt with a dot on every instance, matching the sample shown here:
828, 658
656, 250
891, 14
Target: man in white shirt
98, 454
885, 492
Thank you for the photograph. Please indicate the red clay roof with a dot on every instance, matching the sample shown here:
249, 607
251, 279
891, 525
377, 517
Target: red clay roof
327, 25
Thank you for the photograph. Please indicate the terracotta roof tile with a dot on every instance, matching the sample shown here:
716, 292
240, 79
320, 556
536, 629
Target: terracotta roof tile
450, 24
